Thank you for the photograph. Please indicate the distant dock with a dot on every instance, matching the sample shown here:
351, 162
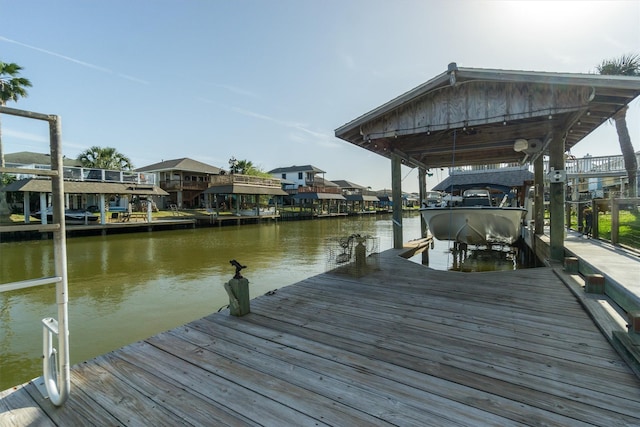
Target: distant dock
401, 345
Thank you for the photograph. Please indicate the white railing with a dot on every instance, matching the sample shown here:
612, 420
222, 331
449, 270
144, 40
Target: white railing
71, 173
595, 166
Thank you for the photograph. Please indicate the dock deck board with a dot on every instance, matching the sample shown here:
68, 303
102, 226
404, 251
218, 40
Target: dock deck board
402, 345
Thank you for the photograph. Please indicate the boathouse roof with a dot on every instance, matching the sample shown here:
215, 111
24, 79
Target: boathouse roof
472, 116
85, 187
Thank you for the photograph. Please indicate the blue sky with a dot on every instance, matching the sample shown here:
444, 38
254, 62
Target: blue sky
270, 81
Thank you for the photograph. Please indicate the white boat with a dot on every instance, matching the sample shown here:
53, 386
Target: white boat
71, 216
475, 221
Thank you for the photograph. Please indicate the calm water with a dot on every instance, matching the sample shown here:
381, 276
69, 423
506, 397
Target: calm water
124, 288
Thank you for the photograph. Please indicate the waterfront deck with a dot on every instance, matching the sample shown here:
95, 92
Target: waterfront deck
404, 345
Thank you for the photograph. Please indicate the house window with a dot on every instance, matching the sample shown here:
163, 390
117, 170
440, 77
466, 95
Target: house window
299, 175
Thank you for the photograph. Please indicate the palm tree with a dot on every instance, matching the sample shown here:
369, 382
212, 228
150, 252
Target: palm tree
104, 158
245, 167
12, 88
626, 65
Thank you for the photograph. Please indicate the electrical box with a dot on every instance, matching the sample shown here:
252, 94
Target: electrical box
557, 176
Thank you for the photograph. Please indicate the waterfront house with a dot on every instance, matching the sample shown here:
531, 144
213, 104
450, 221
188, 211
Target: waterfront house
297, 176
244, 195
310, 191
92, 189
185, 180
359, 199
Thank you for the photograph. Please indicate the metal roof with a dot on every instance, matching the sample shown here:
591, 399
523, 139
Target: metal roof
469, 116
361, 198
84, 187
319, 196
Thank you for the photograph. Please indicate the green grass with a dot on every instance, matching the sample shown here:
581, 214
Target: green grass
628, 230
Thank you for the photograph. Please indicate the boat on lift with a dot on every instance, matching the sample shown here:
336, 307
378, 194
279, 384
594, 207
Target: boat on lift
71, 216
475, 220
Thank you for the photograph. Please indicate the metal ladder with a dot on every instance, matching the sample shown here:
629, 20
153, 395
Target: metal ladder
55, 361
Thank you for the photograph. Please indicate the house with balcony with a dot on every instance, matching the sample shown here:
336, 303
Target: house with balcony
184, 179
311, 191
86, 189
359, 199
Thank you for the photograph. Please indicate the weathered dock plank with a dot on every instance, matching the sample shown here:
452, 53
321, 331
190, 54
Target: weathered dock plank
401, 345
17, 409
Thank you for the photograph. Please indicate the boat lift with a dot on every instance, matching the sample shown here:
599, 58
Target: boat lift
56, 370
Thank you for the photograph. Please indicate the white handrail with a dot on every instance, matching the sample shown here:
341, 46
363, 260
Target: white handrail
56, 370
52, 372
29, 283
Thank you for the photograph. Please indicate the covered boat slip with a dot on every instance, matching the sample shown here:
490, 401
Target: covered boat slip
402, 345
101, 191
473, 116
244, 196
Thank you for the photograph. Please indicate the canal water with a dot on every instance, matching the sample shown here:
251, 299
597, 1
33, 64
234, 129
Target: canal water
126, 287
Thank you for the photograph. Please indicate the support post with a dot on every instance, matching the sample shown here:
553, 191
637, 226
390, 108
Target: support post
422, 185
238, 290
556, 199
538, 214
396, 194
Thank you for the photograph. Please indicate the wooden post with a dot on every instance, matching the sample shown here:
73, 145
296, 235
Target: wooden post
396, 193
615, 220
422, 185
557, 199
238, 290
538, 214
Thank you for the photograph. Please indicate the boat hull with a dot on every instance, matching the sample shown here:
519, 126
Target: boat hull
475, 225
71, 217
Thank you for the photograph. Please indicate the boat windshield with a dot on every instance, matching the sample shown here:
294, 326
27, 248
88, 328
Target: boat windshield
475, 193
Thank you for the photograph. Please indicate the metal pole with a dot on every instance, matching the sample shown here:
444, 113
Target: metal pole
59, 396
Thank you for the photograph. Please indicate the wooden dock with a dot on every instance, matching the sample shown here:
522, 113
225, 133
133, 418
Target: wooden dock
402, 345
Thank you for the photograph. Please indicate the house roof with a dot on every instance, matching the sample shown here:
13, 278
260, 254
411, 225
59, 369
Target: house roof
31, 158
348, 185
321, 182
184, 164
305, 168
76, 187
502, 178
473, 116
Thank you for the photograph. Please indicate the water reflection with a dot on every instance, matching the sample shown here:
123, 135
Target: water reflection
484, 258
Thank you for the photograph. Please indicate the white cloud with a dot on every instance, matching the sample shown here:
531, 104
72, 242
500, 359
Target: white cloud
75, 61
